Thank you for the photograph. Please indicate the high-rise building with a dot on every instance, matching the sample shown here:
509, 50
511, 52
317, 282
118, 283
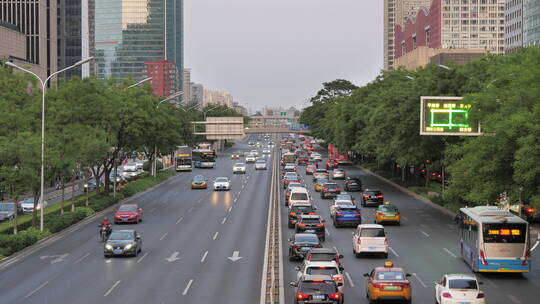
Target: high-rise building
187, 85
28, 34
531, 22
163, 74
458, 30
397, 12
197, 93
129, 33
513, 25
221, 98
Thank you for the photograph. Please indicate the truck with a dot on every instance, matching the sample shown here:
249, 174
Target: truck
288, 158
333, 154
183, 159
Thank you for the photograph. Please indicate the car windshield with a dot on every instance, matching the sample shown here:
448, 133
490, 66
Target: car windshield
372, 232
222, 179
311, 221
317, 287
261, 161
6, 207
344, 204
322, 181
299, 196
320, 171
302, 209
198, 178
322, 257
390, 275
306, 238
121, 235
322, 270
388, 208
127, 208
291, 177
294, 185
462, 284
330, 185
344, 197
311, 167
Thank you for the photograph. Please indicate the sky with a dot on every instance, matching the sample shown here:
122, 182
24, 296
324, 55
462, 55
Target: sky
279, 52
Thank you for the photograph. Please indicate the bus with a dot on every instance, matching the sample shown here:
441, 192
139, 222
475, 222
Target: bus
183, 159
493, 239
204, 158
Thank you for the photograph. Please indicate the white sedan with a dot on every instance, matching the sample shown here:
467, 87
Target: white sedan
458, 288
222, 183
239, 168
338, 204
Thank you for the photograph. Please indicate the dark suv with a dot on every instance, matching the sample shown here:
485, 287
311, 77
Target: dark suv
372, 197
330, 190
296, 211
316, 289
353, 183
311, 224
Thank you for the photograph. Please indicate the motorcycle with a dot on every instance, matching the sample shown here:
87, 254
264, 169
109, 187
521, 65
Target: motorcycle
104, 232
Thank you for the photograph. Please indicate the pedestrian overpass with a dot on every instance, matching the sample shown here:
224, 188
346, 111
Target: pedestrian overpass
269, 129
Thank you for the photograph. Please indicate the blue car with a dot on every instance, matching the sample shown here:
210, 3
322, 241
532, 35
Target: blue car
347, 216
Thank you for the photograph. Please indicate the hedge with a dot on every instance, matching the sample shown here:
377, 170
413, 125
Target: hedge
146, 166
10, 243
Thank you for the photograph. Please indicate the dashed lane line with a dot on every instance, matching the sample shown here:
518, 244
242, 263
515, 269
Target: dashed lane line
190, 209
224, 220
153, 209
187, 287
36, 290
112, 288
393, 251
513, 299
204, 256
419, 280
141, 258
450, 252
179, 220
215, 235
163, 236
424, 233
349, 279
230, 209
81, 258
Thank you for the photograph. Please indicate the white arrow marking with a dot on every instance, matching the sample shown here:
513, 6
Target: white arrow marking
55, 258
173, 257
235, 256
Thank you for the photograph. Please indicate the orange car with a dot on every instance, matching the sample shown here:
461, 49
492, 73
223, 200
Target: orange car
388, 283
387, 213
319, 184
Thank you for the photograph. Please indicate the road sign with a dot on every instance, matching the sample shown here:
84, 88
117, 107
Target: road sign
442, 115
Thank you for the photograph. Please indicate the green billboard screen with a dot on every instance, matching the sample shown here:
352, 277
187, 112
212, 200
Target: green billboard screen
442, 115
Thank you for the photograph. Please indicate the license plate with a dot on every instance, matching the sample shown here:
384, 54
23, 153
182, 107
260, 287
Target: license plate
504, 268
124, 220
304, 248
464, 303
391, 288
373, 196
348, 215
310, 231
118, 251
389, 215
372, 248
318, 297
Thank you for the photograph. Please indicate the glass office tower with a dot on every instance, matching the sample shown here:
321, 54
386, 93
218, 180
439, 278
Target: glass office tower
129, 33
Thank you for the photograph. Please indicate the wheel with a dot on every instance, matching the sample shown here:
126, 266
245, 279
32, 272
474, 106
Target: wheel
103, 237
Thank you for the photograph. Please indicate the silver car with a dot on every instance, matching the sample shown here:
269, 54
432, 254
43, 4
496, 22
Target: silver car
7, 211
260, 164
239, 168
338, 174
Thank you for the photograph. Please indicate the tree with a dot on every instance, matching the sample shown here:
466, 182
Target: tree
333, 89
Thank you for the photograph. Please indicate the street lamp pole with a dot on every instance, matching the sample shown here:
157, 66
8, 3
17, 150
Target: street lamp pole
43, 90
154, 162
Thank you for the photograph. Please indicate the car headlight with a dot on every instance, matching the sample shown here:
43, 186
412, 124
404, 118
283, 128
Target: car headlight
128, 246
108, 247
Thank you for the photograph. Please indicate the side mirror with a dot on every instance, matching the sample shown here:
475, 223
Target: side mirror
324, 221
341, 268
294, 284
315, 208
341, 256
366, 275
481, 283
138, 237
407, 274
297, 268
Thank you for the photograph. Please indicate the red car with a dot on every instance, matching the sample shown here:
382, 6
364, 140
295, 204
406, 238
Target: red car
290, 179
332, 164
128, 213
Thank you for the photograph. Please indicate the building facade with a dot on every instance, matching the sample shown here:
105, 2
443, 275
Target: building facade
28, 31
531, 22
187, 85
513, 25
69, 20
397, 12
220, 98
468, 27
163, 74
129, 33
197, 93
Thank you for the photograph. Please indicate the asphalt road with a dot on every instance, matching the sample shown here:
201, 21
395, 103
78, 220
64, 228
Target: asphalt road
187, 237
425, 244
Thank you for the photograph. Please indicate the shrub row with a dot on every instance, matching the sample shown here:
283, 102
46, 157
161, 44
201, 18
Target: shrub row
10, 243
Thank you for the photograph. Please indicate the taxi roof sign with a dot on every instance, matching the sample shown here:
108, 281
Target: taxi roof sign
388, 264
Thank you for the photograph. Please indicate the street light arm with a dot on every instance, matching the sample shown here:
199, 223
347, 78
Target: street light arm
78, 63
140, 82
11, 64
173, 96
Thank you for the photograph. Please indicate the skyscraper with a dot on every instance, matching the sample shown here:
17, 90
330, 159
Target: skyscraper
397, 12
129, 33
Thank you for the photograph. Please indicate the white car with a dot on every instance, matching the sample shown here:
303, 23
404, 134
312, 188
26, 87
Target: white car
458, 288
338, 204
27, 205
255, 153
260, 164
370, 238
139, 164
239, 168
250, 158
330, 268
338, 174
266, 151
222, 183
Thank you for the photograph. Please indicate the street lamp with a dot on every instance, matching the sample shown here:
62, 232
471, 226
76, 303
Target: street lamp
43, 90
140, 82
154, 164
409, 77
444, 67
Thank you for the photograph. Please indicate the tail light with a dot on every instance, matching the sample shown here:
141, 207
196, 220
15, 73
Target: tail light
339, 214
301, 225
312, 213
480, 295
358, 241
380, 196
357, 214
320, 225
292, 213
526, 258
380, 214
377, 285
301, 296
483, 257
295, 246
386, 241
337, 189
338, 278
318, 246
446, 295
366, 196
325, 189
530, 210
335, 296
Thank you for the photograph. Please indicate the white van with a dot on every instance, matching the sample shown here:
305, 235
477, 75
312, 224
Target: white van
370, 238
299, 195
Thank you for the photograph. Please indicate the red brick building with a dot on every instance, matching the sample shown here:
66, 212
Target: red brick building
164, 78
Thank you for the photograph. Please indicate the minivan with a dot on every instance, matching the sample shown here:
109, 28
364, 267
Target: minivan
299, 195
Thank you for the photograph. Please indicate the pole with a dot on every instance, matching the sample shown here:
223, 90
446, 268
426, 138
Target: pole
154, 167
42, 190
115, 177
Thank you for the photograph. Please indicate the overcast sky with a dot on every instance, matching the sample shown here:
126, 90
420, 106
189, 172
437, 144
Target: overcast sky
278, 52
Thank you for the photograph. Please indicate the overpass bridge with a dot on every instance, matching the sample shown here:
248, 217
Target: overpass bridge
252, 130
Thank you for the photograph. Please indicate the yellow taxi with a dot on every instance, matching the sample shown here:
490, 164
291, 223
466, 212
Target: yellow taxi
319, 184
387, 213
235, 156
388, 283
199, 182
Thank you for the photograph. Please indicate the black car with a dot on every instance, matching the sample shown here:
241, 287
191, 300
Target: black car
301, 243
297, 210
324, 255
353, 183
317, 289
372, 197
123, 242
311, 224
330, 190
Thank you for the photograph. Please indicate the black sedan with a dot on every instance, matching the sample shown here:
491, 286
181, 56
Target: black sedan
123, 242
301, 243
330, 190
353, 183
372, 197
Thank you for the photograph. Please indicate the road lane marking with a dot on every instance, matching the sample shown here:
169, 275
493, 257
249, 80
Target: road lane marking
235, 199
393, 251
187, 287
81, 258
244, 185
513, 299
349, 279
112, 288
190, 209
204, 256
224, 220
107, 261
424, 226
153, 209
535, 245
405, 218
419, 280
230, 208
179, 220
450, 252
239, 192
424, 233
36, 290
163, 236
215, 235
327, 232
141, 258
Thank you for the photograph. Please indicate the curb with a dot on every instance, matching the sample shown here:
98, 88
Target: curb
9, 260
409, 192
